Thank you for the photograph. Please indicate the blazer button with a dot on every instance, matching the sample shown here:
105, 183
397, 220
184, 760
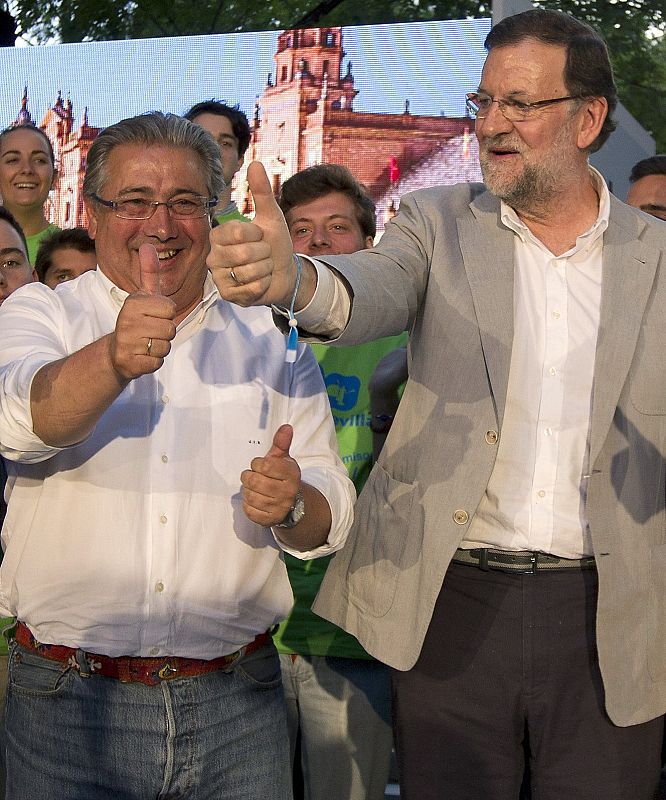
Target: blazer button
492, 437
460, 516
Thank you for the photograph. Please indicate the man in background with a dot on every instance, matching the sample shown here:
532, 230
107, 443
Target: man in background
338, 697
648, 186
230, 128
64, 255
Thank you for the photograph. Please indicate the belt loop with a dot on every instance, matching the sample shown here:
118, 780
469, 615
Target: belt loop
535, 563
483, 559
82, 663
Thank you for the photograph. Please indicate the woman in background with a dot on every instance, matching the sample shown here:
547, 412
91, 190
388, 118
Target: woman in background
27, 173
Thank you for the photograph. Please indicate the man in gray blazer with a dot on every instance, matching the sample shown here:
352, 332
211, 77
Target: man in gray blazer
509, 551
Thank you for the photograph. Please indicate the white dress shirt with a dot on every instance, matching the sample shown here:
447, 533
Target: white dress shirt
535, 498
134, 542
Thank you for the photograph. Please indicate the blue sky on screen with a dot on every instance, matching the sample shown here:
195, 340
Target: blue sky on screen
432, 64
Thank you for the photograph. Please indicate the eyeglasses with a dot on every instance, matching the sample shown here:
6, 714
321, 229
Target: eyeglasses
139, 208
479, 106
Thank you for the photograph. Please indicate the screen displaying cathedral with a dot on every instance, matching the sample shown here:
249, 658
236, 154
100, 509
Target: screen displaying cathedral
387, 101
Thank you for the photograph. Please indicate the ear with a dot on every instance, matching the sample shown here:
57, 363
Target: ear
54, 178
369, 242
594, 112
91, 211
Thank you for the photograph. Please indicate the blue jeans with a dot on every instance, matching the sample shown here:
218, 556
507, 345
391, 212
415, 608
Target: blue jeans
342, 709
220, 736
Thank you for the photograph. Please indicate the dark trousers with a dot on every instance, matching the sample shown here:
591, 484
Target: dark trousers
509, 666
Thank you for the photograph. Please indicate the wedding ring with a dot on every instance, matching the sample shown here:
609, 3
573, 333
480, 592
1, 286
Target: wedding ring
234, 278
150, 346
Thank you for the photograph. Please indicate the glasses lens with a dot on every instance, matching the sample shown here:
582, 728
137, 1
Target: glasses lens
134, 209
188, 207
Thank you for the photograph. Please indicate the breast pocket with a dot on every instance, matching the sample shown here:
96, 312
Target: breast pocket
648, 376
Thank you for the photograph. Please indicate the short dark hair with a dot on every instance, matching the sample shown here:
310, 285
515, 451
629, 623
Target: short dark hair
315, 182
153, 128
587, 71
239, 122
10, 219
30, 127
655, 165
74, 238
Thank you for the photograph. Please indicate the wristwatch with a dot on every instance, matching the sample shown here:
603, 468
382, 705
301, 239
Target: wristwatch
296, 512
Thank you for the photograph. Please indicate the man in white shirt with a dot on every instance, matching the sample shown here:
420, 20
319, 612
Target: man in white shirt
508, 555
155, 435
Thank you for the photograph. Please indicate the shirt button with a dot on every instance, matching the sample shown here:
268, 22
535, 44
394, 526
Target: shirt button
552, 371
165, 458
154, 651
163, 519
492, 437
165, 398
556, 314
548, 431
159, 586
460, 516
541, 493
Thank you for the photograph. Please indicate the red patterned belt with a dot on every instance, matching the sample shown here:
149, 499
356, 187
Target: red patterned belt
130, 669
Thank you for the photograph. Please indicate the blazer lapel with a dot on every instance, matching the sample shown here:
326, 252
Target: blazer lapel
488, 256
628, 273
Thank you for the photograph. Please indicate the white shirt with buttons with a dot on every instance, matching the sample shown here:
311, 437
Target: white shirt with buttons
134, 542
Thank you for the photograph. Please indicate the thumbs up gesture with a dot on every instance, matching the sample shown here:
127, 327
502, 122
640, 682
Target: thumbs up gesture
251, 263
272, 482
145, 326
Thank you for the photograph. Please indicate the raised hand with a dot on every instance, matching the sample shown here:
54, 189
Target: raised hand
272, 482
145, 325
251, 263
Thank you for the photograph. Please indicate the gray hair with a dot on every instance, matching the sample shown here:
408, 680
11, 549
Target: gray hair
154, 128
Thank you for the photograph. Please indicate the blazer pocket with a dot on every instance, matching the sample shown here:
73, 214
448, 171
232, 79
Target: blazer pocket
648, 382
657, 614
384, 522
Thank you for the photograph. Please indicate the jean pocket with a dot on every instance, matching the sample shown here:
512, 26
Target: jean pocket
261, 669
30, 674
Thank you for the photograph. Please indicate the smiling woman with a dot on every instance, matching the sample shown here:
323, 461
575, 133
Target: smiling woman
27, 171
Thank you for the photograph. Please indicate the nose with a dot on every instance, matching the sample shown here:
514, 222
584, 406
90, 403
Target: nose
161, 225
320, 238
493, 122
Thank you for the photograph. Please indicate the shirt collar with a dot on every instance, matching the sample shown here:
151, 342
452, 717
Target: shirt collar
513, 221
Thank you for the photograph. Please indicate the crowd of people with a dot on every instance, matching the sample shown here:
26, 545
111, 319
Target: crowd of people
180, 466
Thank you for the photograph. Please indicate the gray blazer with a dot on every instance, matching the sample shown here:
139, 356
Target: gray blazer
444, 271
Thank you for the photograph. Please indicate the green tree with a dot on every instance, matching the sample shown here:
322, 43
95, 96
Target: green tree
634, 29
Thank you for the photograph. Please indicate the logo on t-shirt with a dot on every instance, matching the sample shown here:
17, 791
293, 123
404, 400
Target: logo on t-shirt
342, 390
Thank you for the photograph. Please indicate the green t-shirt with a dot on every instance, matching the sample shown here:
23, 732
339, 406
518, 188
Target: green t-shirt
34, 241
347, 372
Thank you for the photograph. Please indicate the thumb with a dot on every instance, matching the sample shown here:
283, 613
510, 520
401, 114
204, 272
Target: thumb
265, 205
281, 442
150, 269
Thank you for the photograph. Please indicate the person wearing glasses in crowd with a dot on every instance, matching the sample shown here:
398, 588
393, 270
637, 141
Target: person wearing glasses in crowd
27, 174
163, 452
64, 255
230, 128
507, 556
647, 189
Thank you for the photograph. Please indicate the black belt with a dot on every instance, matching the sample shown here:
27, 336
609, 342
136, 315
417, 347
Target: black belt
523, 562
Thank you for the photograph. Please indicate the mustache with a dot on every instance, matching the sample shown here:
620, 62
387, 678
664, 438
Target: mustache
499, 142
